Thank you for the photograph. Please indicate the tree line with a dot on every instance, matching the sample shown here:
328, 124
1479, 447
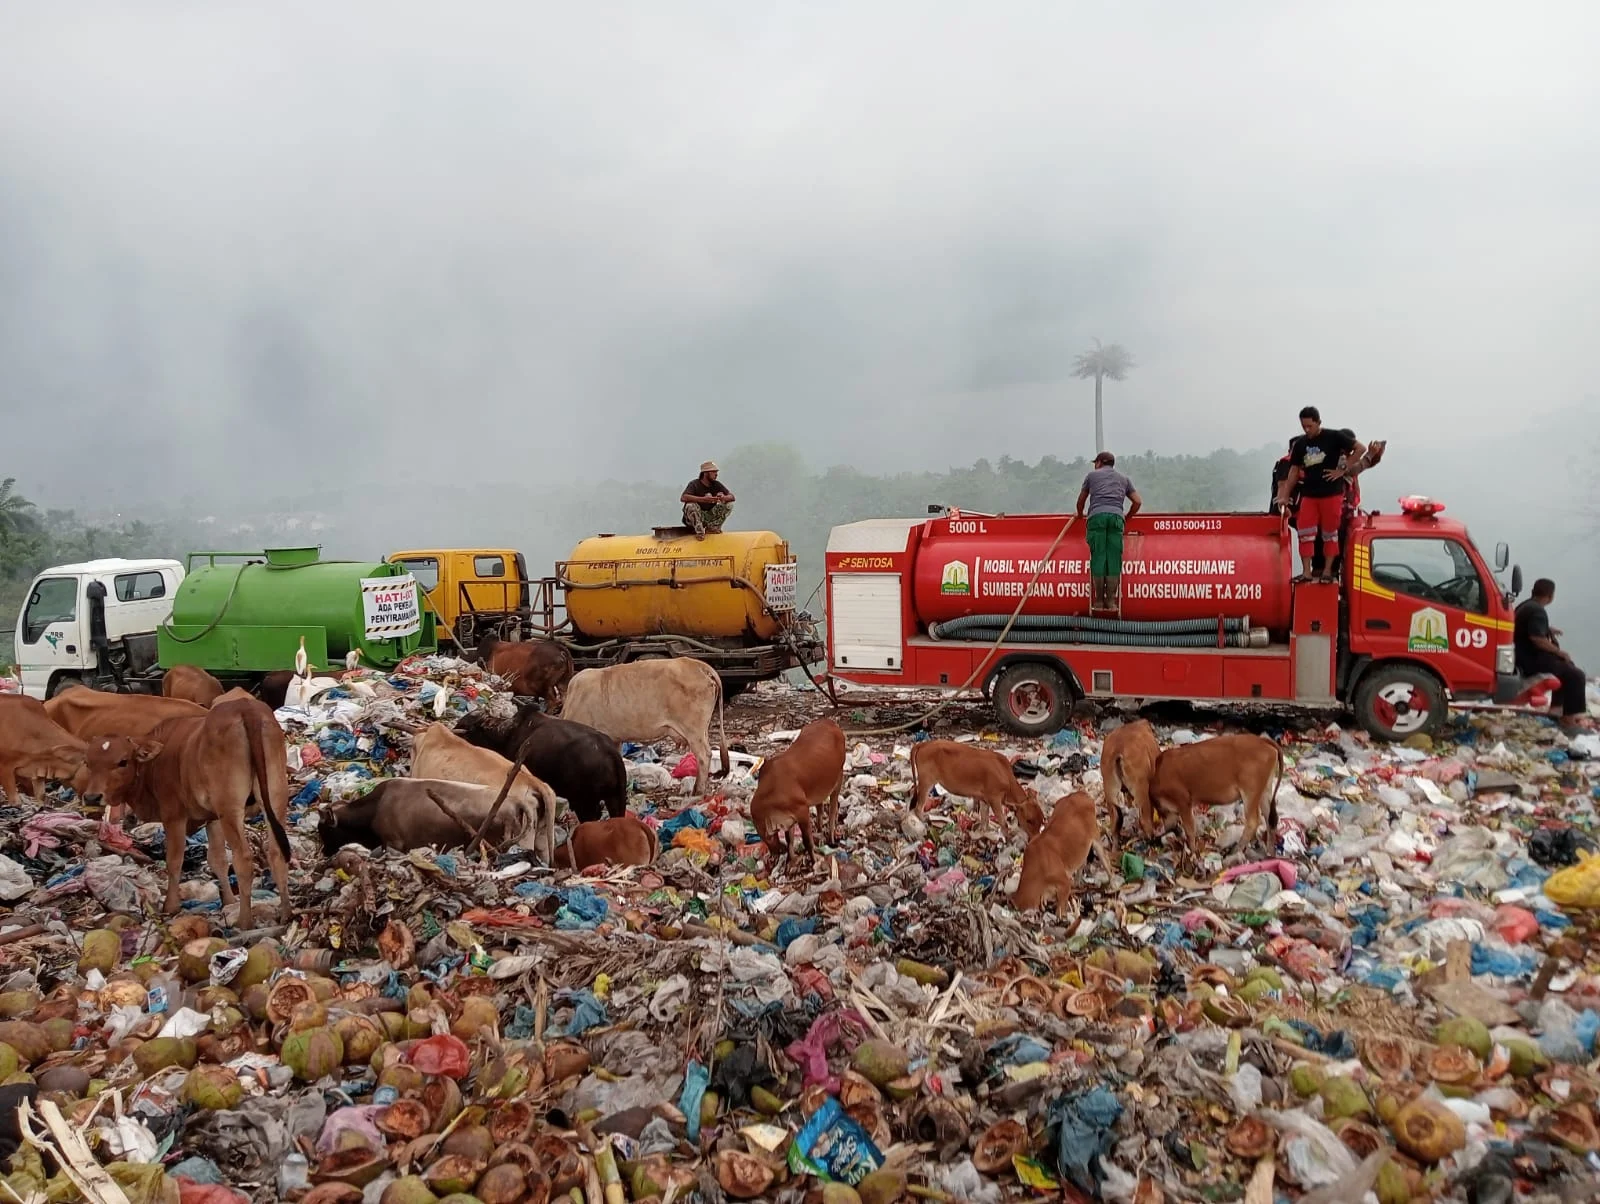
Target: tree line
776, 488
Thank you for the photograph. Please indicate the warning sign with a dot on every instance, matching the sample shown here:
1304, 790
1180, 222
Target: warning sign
782, 586
390, 607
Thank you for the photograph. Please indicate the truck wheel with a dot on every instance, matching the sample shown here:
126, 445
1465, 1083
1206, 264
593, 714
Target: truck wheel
1031, 700
1396, 701
61, 684
732, 687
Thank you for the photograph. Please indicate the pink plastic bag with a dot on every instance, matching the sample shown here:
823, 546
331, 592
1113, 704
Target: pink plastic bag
1514, 925
1286, 871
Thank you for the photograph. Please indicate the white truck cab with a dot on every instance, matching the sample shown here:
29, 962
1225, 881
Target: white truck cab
94, 623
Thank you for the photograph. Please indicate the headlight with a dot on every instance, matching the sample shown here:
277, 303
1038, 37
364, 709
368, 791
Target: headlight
1505, 659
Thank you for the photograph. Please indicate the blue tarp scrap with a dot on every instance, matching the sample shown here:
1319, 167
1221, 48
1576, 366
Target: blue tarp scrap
691, 818
1080, 1133
338, 744
696, 1078
1018, 1049
587, 1012
793, 928
1502, 962
520, 1027
447, 863
580, 908
309, 793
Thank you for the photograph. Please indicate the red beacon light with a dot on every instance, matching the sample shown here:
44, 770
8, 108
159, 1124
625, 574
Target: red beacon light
1417, 506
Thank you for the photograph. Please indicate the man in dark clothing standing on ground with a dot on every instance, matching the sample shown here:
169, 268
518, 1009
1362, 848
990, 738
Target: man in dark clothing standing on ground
1538, 652
1104, 492
706, 502
1314, 467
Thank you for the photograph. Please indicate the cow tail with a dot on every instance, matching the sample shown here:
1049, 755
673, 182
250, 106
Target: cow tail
264, 792
1272, 803
548, 797
655, 844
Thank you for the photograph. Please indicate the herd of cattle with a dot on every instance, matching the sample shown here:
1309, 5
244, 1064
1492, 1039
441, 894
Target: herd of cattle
201, 756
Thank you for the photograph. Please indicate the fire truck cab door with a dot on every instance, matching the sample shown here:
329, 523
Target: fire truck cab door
1424, 598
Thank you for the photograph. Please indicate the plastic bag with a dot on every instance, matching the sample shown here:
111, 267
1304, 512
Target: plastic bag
1576, 886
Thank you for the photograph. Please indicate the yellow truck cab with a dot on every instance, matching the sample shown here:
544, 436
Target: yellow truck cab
471, 592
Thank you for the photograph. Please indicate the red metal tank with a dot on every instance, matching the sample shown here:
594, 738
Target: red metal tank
1175, 566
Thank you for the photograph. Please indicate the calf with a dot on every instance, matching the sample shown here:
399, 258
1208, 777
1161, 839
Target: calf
202, 771
33, 748
1059, 852
650, 700
581, 764
191, 683
439, 753
624, 841
805, 775
414, 813
975, 773
1218, 772
535, 668
1126, 761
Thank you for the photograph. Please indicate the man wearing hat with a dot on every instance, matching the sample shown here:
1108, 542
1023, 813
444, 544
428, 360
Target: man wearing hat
1105, 491
706, 502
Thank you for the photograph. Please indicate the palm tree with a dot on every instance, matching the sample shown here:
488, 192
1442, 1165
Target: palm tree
1102, 363
13, 508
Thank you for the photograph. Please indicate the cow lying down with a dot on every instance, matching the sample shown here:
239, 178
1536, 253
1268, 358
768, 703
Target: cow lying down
414, 813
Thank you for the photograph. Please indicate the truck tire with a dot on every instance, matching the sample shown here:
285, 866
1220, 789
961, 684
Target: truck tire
1395, 701
1031, 699
63, 682
732, 687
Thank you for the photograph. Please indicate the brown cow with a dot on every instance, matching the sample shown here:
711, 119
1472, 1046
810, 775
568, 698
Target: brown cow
651, 699
203, 771
1059, 852
413, 813
438, 753
622, 841
89, 714
33, 748
975, 773
805, 775
192, 683
535, 668
1218, 772
1127, 759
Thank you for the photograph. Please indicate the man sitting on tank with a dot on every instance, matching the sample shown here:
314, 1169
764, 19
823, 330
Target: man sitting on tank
1104, 491
706, 502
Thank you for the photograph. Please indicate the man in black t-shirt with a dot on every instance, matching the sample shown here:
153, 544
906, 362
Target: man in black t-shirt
1315, 469
706, 502
1538, 651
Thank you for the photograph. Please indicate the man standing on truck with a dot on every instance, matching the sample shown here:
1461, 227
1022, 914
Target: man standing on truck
1314, 467
706, 502
1104, 492
1538, 652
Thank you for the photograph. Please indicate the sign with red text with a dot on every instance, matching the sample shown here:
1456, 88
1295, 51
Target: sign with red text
390, 607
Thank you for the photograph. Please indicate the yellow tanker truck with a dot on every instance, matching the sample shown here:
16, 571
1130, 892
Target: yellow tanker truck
729, 600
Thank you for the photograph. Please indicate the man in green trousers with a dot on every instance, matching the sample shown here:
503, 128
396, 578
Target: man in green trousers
1104, 492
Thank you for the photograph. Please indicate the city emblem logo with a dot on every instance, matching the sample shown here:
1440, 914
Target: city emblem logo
1429, 632
955, 579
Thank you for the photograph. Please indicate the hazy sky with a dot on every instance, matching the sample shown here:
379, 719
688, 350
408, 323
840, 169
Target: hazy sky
561, 241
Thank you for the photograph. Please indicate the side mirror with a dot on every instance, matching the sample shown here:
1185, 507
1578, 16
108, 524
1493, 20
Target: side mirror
1502, 556
1516, 580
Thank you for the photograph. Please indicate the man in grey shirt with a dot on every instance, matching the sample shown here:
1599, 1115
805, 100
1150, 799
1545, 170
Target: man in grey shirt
1104, 492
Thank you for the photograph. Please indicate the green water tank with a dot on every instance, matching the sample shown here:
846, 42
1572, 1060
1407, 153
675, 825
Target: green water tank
248, 612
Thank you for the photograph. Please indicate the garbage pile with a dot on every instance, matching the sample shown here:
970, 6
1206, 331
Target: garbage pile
1401, 1004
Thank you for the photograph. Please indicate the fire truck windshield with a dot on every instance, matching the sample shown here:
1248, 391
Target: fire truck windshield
1435, 570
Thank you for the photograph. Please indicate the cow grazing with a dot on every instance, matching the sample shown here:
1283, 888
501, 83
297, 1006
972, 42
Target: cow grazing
202, 771
623, 841
1056, 854
803, 776
650, 700
975, 773
192, 684
535, 668
438, 753
414, 813
1218, 772
581, 764
33, 748
1127, 759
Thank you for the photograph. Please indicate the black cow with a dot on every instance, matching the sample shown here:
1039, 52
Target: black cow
582, 764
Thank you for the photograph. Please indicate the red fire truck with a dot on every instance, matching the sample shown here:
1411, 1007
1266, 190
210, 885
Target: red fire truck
1209, 612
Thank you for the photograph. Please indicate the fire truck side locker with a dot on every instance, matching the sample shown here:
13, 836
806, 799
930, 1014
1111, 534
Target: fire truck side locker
1314, 643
